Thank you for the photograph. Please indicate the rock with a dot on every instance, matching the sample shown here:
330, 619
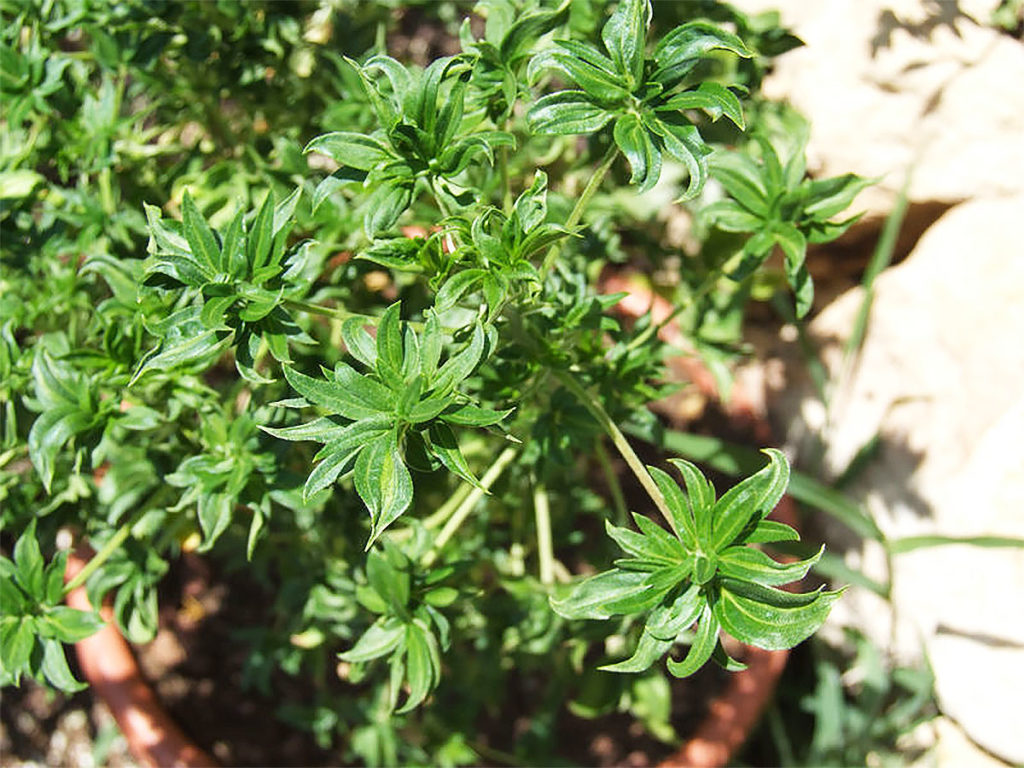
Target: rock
940, 379
894, 84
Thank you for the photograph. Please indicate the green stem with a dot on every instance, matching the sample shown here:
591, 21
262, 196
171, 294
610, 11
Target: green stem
445, 510
581, 204
463, 510
545, 548
319, 309
112, 545
593, 404
612, 481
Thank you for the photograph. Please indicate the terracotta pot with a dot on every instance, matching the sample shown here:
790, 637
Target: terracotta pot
155, 740
108, 664
733, 714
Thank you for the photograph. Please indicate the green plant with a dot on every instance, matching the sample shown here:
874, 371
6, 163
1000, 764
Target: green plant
417, 292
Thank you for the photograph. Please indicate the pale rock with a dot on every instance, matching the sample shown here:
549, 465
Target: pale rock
940, 378
894, 84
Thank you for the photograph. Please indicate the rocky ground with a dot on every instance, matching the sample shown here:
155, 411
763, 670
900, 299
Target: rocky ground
931, 90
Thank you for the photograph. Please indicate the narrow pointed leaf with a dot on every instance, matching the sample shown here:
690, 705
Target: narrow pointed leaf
703, 646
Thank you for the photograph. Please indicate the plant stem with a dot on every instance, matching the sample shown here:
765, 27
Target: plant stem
445, 510
593, 404
545, 548
112, 545
464, 508
614, 486
319, 309
581, 204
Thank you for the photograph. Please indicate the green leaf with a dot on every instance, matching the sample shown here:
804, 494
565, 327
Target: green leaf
55, 668
755, 496
667, 620
28, 560
181, 351
769, 531
703, 646
355, 150
648, 650
685, 144
566, 112
644, 158
445, 446
584, 66
349, 395
773, 627
469, 415
358, 341
678, 52
682, 518
49, 434
380, 639
591, 598
832, 196
385, 204
336, 456
382, 482
741, 177
730, 216
322, 430
455, 287
714, 98
751, 564
201, 239
68, 624
625, 35
701, 496
422, 665
461, 364
390, 347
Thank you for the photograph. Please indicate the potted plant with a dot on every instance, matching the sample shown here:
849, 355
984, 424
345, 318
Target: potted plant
389, 388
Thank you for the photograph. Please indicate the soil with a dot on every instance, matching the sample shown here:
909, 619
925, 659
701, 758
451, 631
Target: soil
195, 666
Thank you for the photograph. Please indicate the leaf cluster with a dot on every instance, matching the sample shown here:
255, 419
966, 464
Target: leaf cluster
705, 571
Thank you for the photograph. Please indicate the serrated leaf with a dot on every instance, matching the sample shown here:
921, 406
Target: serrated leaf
586, 67
757, 495
390, 348
337, 455
703, 646
469, 415
565, 113
322, 430
455, 287
741, 177
772, 627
